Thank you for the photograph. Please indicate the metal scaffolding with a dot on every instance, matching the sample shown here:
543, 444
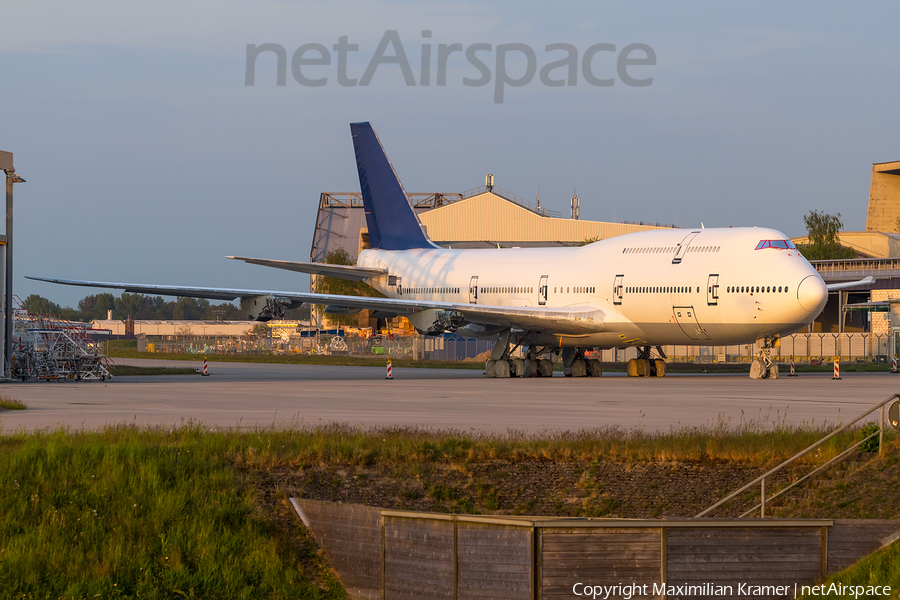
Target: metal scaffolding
47, 347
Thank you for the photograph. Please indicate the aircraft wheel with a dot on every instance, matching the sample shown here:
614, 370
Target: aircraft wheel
490, 368
639, 367
595, 369
531, 368
516, 367
773, 372
631, 369
660, 367
501, 369
579, 368
757, 369
545, 368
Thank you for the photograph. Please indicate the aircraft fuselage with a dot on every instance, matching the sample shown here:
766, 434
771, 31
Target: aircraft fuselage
660, 287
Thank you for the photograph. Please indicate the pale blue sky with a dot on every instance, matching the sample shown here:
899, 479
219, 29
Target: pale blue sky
148, 159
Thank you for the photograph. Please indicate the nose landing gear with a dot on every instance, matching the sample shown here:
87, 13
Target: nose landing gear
762, 366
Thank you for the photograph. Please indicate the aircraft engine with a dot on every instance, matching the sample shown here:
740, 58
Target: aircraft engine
265, 308
436, 322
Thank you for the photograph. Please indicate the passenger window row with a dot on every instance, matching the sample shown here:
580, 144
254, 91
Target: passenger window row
666, 289
433, 290
576, 290
669, 250
507, 290
760, 289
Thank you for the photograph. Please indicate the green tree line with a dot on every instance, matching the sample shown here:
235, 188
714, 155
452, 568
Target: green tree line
141, 307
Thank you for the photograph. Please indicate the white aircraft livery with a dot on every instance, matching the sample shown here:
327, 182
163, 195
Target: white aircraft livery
708, 287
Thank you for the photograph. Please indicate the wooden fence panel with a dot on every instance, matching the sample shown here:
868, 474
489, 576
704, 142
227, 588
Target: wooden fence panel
743, 555
849, 540
601, 556
425, 556
494, 562
419, 559
350, 536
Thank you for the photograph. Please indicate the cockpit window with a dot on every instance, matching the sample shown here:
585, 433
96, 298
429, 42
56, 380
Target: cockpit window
780, 244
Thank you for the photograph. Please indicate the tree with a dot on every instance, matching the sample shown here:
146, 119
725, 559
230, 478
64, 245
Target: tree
823, 231
104, 303
132, 305
38, 305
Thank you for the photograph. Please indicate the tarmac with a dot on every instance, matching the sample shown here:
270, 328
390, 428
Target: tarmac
247, 395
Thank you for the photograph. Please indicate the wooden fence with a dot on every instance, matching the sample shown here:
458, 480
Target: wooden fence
386, 554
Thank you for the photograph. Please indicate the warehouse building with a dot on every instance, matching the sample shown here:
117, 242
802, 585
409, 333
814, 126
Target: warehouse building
483, 217
867, 308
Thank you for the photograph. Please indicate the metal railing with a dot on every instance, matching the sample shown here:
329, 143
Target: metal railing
857, 264
761, 480
649, 224
804, 348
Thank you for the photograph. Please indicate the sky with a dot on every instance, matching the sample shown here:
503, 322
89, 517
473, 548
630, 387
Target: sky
148, 158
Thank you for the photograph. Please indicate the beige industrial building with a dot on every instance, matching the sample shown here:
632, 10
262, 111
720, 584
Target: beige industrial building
881, 239
483, 217
884, 198
878, 248
489, 218
174, 328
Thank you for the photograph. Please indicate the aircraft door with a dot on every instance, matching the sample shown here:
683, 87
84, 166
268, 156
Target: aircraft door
618, 288
682, 247
687, 320
473, 290
542, 291
712, 290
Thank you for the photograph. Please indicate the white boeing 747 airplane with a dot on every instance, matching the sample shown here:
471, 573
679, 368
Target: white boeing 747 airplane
710, 287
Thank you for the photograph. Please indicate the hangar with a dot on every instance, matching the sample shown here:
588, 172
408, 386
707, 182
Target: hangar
482, 217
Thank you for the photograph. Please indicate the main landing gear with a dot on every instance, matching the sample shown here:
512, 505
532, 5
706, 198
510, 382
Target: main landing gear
647, 366
535, 364
762, 366
576, 365
538, 361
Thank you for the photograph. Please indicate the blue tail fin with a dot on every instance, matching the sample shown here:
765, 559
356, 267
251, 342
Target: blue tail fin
392, 222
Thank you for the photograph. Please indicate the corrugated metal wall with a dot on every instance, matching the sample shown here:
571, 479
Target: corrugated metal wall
490, 217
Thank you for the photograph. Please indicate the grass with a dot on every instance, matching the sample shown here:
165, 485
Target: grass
300, 359
879, 569
7, 403
130, 512
123, 370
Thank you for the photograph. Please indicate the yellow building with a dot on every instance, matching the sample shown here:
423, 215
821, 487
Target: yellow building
884, 198
484, 217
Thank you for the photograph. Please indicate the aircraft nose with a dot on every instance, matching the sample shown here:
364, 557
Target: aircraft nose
812, 294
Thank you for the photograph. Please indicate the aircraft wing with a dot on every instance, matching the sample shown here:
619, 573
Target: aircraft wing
573, 320
848, 284
351, 273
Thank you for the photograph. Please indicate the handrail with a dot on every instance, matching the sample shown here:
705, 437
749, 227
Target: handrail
762, 478
809, 475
